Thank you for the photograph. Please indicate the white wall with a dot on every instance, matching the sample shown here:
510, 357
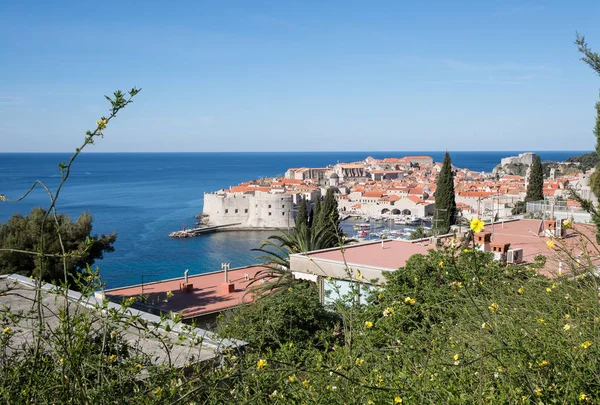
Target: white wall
262, 210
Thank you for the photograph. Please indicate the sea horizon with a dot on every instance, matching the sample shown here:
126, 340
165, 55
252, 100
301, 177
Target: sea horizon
517, 151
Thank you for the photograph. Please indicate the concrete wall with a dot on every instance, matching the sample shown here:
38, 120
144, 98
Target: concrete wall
334, 269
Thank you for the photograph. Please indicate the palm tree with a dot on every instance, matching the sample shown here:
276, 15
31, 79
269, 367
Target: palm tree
276, 275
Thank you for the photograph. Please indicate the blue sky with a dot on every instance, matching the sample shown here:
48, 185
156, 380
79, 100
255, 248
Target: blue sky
299, 75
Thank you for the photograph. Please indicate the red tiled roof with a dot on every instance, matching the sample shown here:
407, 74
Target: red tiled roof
377, 194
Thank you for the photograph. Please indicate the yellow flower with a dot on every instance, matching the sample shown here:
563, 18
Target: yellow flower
262, 363
477, 225
550, 243
359, 275
368, 324
7, 330
409, 301
567, 223
370, 402
158, 391
548, 289
139, 366
170, 294
493, 308
456, 357
520, 291
305, 383
292, 378
291, 344
358, 361
540, 320
397, 400
543, 363
567, 316
380, 296
112, 357
466, 250
61, 361
388, 311
538, 392
459, 284
586, 344
582, 397
441, 263
567, 327
484, 325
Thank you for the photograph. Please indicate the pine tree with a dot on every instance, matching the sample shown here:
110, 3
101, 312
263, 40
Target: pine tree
302, 216
592, 59
535, 188
23, 232
445, 203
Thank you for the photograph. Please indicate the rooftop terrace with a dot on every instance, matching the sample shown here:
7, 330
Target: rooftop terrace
204, 293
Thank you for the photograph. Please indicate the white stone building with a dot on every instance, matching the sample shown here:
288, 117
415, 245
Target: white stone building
255, 209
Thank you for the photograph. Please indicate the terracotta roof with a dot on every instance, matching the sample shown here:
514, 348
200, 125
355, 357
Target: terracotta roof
206, 296
415, 199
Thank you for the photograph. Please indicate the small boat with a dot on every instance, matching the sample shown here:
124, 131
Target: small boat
361, 226
412, 221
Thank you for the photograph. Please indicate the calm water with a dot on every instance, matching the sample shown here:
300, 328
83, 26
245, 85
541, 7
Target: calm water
145, 196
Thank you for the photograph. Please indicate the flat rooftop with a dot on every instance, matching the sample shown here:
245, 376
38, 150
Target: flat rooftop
17, 294
526, 234
388, 254
206, 296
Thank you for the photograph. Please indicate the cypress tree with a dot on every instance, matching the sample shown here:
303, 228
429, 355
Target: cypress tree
329, 215
535, 188
445, 203
302, 216
316, 212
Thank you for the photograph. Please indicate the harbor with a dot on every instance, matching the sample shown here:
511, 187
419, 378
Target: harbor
376, 228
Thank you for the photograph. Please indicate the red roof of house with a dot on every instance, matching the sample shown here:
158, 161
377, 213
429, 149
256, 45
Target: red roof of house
377, 194
206, 296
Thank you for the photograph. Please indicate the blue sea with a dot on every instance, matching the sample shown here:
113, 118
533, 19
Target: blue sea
145, 196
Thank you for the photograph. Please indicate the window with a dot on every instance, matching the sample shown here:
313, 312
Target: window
226, 210
283, 213
283, 206
246, 211
269, 207
269, 213
236, 211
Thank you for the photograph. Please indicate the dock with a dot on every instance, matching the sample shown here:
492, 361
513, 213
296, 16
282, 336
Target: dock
190, 233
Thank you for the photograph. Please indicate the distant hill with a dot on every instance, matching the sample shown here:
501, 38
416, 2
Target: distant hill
586, 161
